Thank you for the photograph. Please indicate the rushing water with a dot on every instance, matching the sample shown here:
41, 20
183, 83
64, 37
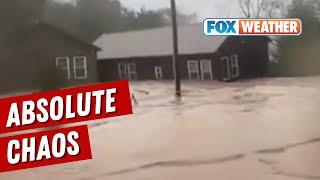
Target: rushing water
258, 129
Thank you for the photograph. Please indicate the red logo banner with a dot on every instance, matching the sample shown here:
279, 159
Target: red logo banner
56, 108
65, 106
44, 148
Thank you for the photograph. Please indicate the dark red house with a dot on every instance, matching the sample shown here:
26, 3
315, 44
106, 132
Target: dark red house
147, 55
41, 56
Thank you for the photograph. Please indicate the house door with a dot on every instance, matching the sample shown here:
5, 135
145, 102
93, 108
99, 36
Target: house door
193, 70
206, 69
127, 71
229, 67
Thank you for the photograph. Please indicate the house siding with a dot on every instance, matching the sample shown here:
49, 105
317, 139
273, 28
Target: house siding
108, 69
31, 63
252, 56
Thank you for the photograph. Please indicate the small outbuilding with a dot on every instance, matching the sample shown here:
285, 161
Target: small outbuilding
147, 55
41, 56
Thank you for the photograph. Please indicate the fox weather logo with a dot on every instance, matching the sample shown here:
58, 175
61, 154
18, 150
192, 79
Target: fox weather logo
252, 27
220, 27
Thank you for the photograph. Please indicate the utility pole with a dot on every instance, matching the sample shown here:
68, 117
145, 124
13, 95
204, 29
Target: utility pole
175, 57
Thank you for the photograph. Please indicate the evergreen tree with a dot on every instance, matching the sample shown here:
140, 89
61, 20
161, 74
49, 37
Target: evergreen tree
300, 55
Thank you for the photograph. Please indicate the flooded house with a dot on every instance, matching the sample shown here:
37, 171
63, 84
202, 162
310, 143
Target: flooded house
41, 56
147, 55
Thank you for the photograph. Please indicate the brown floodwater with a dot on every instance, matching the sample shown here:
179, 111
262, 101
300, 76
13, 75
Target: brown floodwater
254, 129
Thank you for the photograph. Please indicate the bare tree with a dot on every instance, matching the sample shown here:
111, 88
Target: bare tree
265, 9
261, 8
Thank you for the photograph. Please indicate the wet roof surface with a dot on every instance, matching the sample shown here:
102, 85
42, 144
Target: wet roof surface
156, 42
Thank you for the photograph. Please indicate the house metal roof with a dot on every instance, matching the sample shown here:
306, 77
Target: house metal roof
156, 42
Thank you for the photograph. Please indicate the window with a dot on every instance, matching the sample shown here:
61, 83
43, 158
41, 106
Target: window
132, 68
158, 72
225, 69
63, 66
123, 74
234, 66
132, 71
128, 71
206, 69
193, 70
80, 67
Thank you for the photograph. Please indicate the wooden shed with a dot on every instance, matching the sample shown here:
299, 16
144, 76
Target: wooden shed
41, 56
147, 55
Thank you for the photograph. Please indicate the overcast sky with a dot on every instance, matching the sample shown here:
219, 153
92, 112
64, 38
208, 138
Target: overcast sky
204, 8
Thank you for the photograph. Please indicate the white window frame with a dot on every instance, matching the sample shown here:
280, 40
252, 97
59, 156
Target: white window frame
121, 74
75, 67
202, 68
158, 72
227, 60
132, 75
189, 69
234, 63
68, 65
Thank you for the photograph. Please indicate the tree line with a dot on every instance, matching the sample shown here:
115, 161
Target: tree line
299, 56
294, 56
86, 18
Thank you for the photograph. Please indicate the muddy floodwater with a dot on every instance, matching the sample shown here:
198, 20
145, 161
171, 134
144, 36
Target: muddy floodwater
262, 129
